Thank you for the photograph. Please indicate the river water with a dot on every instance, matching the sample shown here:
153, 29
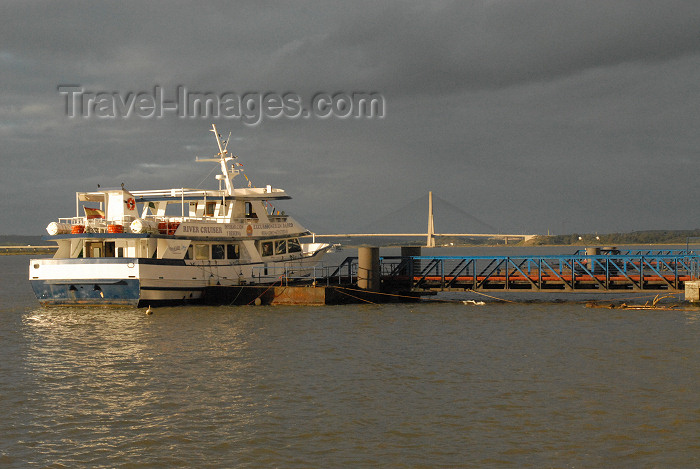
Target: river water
415, 385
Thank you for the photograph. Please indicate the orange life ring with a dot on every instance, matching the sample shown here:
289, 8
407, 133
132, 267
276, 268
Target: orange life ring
130, 203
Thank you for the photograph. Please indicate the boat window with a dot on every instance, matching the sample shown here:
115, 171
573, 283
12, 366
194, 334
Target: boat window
232, 251
294, 245
281, 246
209, 210
109, 249
120, 252
249, 211
217, 251
201, 251
266, 248
188, 253
93, 249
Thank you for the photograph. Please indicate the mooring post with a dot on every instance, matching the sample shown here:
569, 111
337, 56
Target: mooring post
368, 274
692, 291
414, 267
592, 251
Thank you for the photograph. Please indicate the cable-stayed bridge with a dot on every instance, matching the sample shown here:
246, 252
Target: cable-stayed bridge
430, 235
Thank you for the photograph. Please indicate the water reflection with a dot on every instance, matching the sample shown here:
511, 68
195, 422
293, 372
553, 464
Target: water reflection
132, 379
692, 317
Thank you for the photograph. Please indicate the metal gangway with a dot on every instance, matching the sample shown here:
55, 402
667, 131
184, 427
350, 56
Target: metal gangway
653, 271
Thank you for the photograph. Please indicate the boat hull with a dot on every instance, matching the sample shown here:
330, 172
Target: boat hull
142, 282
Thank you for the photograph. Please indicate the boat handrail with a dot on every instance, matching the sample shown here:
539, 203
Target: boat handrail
175, 193
127, 219
123, 220
212, 220
96, 225
180, 219
241, 193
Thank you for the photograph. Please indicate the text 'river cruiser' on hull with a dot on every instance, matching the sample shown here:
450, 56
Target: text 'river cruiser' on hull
129, 249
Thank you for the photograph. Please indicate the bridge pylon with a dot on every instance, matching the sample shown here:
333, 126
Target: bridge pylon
430, 242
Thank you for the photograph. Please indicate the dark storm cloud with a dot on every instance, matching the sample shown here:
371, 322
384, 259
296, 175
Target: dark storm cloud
441, 47
516, 110
423, 47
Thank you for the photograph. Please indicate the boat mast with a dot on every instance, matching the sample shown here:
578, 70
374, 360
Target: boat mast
223, 159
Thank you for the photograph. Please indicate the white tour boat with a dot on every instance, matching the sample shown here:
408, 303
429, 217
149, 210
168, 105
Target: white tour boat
168, 246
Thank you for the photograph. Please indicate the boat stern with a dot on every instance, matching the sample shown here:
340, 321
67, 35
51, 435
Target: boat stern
66, 282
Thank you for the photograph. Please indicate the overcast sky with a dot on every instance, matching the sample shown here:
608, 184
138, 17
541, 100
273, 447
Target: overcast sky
531, 116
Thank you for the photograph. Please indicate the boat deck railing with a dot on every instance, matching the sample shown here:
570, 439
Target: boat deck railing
97, 225
346, 273
210, 219
101, 225
179, 193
